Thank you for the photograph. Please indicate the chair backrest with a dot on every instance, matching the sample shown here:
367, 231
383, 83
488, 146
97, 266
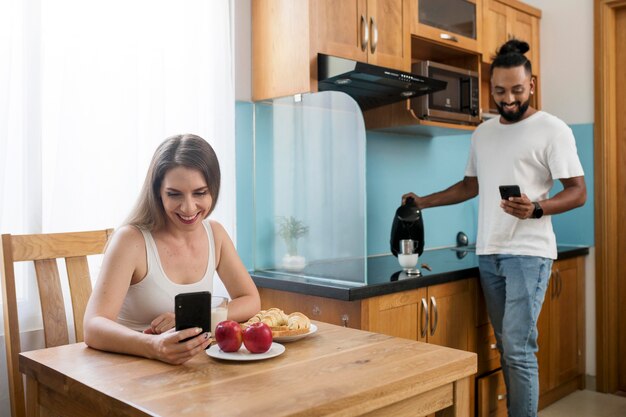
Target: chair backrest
44, 250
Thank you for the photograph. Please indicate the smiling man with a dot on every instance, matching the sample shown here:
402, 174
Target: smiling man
515, 243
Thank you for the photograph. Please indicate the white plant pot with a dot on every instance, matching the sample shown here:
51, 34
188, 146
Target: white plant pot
294, 263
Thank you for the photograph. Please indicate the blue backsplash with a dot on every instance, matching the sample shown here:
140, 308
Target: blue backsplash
397, 164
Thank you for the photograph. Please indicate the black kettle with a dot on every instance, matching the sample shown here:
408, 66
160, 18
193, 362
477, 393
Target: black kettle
407, 224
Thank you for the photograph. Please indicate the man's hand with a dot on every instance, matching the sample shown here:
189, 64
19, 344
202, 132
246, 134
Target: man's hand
520, 207
415, 198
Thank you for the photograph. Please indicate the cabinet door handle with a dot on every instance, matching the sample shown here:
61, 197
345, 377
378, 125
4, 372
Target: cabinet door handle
448, 37
501, 397
436, 316
560, 281
344, 320
553, 287
424, 321
365, 34
493, 346
374, 29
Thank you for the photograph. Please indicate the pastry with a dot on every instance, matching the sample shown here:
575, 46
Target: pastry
281, 323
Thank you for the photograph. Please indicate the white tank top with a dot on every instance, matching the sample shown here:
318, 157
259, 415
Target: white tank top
154, 295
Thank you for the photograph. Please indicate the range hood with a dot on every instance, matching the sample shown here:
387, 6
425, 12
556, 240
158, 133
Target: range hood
370, 85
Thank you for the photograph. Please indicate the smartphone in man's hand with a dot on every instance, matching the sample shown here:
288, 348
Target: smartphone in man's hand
193, 309
507, 191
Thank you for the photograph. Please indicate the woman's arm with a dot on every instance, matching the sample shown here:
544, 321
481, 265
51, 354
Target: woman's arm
122, 259
245, 296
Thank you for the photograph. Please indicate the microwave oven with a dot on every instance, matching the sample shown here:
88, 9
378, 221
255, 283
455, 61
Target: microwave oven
457, 103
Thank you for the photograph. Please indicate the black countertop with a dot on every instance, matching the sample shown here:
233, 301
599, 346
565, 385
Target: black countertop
348, 279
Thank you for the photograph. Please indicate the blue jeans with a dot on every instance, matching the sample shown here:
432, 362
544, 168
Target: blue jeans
514, 289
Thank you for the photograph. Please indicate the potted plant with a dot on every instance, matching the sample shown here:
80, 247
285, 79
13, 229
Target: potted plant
291, 229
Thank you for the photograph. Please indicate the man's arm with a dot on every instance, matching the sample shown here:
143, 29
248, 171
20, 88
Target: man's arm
461, 191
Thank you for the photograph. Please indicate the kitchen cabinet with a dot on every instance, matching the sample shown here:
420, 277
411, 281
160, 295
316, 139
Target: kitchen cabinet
441, 314
373, 31
288, 34
504, 20
454, 23
562, 332
328, 310
280, 48
491, 396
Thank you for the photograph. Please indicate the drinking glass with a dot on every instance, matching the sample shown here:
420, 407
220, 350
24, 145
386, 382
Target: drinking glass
219, 311
407, 256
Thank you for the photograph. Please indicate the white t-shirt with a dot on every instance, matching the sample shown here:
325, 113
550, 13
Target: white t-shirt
531, 153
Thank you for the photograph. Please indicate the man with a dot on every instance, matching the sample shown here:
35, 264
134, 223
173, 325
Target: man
516, 244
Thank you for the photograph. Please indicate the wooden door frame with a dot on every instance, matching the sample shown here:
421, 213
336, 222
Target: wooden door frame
606, 201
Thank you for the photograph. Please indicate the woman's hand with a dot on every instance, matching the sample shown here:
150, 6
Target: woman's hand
161, 324
168, 348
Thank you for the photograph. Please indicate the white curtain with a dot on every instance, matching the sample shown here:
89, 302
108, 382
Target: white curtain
88, 89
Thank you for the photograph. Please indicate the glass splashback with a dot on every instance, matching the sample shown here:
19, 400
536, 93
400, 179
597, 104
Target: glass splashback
309, 191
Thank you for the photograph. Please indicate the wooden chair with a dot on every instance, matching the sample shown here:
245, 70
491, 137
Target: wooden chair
44, 250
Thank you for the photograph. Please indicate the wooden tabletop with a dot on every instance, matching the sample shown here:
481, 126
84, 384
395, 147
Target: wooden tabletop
336, 371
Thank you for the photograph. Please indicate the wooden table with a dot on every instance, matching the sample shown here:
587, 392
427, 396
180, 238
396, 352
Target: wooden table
337, 371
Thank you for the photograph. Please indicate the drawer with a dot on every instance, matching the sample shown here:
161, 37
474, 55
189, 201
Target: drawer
328, 310
488, 355
492, 396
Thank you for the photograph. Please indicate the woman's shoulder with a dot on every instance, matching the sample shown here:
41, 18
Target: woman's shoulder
128, 237
215, 226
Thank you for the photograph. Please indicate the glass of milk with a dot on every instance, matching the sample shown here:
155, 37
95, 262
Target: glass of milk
219, 311
407, 256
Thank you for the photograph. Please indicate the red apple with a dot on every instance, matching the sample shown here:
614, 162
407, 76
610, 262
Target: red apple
257, 337
228, 335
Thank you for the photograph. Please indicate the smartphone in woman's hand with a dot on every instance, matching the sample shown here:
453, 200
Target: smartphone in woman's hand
193, 309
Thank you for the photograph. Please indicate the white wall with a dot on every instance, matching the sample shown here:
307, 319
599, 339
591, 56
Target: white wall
566, 33
243, 50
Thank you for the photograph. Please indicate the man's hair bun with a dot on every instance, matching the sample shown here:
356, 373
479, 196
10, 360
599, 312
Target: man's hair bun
514, 46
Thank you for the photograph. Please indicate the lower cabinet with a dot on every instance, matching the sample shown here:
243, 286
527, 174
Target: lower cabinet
491, 395
562, 332
439, 314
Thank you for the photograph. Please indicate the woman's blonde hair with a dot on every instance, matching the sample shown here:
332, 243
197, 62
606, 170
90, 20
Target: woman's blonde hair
189, 151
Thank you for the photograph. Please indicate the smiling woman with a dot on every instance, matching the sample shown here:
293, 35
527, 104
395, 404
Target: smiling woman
167, 248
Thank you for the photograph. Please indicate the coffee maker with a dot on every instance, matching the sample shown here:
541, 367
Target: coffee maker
407, 224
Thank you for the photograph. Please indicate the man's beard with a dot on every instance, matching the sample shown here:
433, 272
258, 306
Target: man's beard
514, 116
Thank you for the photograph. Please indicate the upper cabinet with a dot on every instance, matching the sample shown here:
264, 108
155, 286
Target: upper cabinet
287, 35
504, 20
454, 23
374, 31
281, 61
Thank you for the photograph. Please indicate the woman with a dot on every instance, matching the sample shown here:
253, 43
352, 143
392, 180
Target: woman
165, 248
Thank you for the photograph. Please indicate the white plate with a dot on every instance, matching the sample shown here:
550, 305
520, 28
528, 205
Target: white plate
244, 354
284, 339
